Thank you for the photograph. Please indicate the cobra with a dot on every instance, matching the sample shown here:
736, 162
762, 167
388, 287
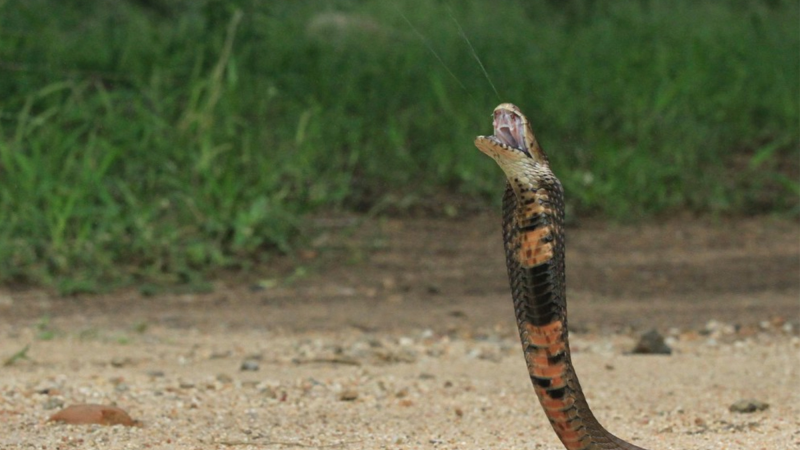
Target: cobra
533, 237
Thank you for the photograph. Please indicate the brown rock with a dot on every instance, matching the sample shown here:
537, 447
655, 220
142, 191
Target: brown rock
93, 414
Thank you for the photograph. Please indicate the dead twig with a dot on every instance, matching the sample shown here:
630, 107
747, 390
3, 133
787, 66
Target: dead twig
345, 361
283, 444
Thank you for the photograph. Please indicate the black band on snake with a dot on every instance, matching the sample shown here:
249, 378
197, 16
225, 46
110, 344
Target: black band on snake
533, 235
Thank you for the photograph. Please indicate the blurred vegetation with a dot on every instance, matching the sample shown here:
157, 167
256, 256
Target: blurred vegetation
155, 140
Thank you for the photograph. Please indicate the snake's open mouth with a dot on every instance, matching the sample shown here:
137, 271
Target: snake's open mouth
509, 130
513, 140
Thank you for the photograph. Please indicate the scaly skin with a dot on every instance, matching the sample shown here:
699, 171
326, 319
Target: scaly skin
533, 235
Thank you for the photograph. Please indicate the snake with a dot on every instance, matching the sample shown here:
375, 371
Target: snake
533, 238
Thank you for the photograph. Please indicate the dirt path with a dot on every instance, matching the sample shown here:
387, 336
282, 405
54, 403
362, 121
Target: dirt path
401, 336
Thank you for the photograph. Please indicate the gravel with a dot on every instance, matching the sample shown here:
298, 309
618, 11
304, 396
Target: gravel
358, 390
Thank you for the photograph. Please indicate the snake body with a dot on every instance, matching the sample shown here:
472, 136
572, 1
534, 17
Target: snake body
533, 236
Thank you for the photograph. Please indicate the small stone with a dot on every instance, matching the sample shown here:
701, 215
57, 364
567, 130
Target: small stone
220, 354
748, 406
53, 403
348, 395
652, 343
690, 336
711, 326
405, 341
119, 361
400, 355
269, 392
492, 355
249, 365
224, 378
700, 422
155, 373
747, 331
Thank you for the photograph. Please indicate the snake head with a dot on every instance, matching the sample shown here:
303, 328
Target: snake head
513, 144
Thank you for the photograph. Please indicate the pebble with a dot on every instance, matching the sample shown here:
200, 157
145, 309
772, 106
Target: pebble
249, 365
224, 378
748, 406
220, 354
715, 327
405, 341
269, 392
348, 395
336, 391
53, 403
119, 361
652, 343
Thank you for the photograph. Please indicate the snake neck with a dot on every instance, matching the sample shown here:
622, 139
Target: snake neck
533, 235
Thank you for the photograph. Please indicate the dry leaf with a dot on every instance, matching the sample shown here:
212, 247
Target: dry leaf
93, 414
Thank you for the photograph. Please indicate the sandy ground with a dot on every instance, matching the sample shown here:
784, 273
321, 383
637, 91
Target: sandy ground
400, 336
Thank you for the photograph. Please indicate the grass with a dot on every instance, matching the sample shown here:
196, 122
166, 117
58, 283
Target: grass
155, 142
